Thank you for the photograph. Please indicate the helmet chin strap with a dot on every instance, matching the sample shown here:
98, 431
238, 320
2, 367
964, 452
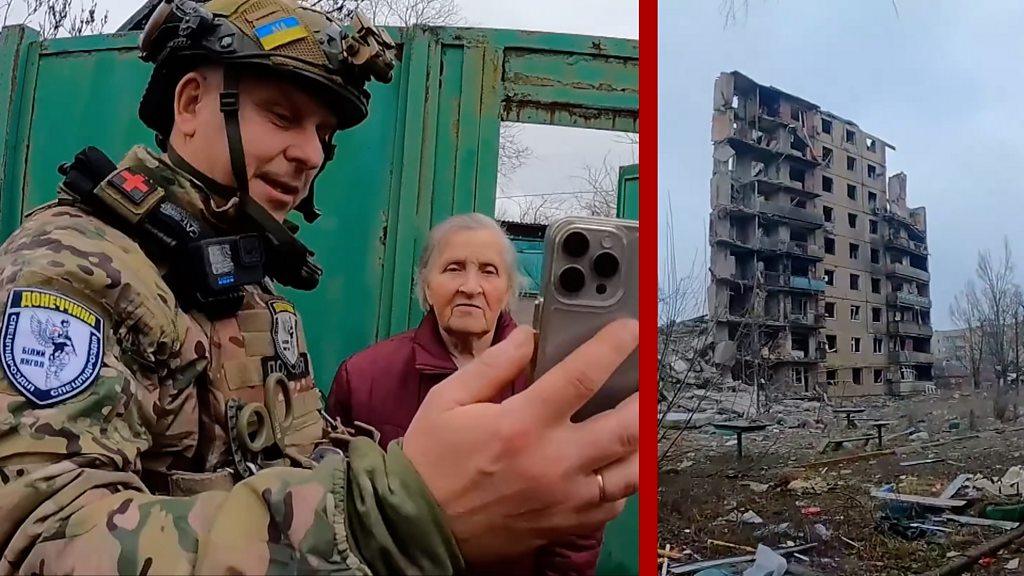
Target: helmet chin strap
229, 108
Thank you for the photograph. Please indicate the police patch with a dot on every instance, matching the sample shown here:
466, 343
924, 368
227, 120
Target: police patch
285, 331
52, 346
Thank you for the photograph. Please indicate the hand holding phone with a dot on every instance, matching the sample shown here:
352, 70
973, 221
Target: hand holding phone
591, 277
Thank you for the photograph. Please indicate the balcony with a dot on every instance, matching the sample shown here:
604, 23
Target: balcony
899, 218
907, 272
910, 357
808, 320
790, 282
796, 357
766, 185
768, 150
905, 299
894, 241
812, 251
730, 239
792, 213
911, 387
907, 328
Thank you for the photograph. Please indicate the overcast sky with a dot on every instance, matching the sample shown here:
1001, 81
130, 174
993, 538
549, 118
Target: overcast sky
941, 82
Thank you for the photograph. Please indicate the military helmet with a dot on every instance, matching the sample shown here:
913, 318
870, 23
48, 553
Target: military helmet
274, 37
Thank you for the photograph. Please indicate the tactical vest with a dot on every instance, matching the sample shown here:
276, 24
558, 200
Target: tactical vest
256, 403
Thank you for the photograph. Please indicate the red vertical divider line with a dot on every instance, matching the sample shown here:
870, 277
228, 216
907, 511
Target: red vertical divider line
648, 499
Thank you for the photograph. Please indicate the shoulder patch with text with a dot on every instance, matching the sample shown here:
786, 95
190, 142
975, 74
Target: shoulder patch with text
52, 345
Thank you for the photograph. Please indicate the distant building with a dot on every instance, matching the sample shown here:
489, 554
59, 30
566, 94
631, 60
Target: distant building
819, 270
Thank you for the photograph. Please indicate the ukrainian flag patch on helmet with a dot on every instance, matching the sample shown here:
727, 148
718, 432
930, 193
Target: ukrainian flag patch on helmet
280, 31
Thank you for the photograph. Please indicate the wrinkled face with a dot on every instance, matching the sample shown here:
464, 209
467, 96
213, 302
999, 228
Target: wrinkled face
467, 282
284, 130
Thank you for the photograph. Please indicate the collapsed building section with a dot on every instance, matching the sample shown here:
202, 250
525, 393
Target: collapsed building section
819, 271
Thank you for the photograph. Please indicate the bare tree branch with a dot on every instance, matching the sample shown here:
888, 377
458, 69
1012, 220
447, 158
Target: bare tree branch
55, 18
512, 152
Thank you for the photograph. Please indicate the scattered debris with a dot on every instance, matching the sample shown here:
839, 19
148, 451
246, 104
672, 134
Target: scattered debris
698, 566
870, 513
924, 500
926, 461
749, 517
973, 521
766, 563
757, 486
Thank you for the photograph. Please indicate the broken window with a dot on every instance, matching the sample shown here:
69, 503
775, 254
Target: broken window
855, 345
851, 163
794, 113
873, 226
854, 281
879, 376
872, 171
830, 245
757, 169
830, 277
830, 310
854, 312
851, 191
826, 126
876, 256
872, 147
876, 285
854, 251
851, 219
856, 376
876, 314
872, 199
851, 136
799, 375
827, 212
797, 174
826, 184
826, 156
735, 101
830, 343
877, 345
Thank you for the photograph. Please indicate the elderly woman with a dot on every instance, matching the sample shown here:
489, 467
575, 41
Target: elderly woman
466, 281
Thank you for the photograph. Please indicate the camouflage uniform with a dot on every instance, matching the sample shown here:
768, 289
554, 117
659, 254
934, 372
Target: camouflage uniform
119, 442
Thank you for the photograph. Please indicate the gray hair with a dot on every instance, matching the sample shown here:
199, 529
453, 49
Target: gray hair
460, 223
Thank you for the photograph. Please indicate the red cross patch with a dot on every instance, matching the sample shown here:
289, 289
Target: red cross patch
134, 185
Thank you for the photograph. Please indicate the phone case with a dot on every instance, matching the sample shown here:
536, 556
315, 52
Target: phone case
565, 319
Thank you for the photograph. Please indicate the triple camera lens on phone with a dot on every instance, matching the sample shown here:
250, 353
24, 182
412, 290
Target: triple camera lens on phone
572, 278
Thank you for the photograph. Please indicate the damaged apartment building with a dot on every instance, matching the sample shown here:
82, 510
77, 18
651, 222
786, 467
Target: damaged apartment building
819, 271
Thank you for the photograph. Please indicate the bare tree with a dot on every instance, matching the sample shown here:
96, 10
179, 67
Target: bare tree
55, 18
998, 294
966, 312
531, 208
412, 12
599, 196
512, 152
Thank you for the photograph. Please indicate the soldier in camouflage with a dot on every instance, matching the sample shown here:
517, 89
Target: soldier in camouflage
159, 414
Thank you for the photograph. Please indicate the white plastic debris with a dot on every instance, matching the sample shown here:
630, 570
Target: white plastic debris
766, 563
750, 517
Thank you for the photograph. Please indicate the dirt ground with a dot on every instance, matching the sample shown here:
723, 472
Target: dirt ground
703, 489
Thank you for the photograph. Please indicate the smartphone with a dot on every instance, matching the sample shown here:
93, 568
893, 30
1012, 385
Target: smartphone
591, 277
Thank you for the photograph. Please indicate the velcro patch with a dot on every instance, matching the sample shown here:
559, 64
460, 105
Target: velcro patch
52, 346
134, 185
280, 31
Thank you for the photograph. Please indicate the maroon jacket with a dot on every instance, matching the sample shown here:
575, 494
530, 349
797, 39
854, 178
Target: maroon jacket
385, 384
